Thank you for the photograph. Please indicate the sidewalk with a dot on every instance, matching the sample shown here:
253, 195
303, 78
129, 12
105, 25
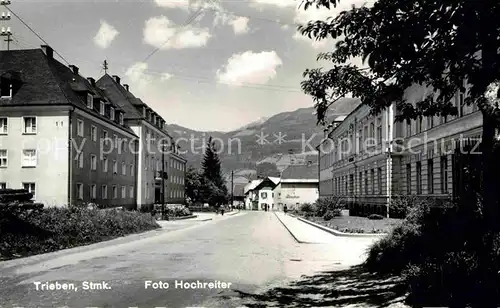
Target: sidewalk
303, 232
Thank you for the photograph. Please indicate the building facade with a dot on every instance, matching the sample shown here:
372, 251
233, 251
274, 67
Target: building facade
299, 184
70, 139
55, 134
370, 159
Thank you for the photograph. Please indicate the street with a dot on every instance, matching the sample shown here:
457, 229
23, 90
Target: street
249, 252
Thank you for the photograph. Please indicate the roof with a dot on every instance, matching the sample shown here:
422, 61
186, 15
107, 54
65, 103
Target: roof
267, 181
239, 190
252, 185
118, 95
46, 81
275, 180
300, 172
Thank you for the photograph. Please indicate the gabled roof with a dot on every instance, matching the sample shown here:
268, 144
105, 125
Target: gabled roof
275, 180
300, 172
43, 80
267, 182
251, 186
119, 96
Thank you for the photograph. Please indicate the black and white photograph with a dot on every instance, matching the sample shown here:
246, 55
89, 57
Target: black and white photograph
249, 153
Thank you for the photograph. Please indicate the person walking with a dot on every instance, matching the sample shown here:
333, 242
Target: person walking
285, 209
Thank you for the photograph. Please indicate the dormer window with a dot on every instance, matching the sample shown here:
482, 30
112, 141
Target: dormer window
144, 112
102, 108
112, 114
90, 101
120, 115
5, 88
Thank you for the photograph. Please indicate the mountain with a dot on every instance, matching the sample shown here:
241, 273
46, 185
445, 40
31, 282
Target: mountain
283, 139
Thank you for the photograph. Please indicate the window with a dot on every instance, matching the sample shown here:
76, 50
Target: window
104, 134
461, 104
3, 158
104, 192
93, 133
263, 195
121, 118
115, 192
408, 179
5, 88
430, 122
90, 101
3, 126
430, 176
79, 191
30, 187
131, 191
105, 164
112, 113
360, 182
115, 140
419, 125
379, 180
29, 158
79, 128
372, 130
124, 192
29, 125
419, 178
3, 185
147, 191
379, 131
351, 184
102, 108
146, 161
366, 182
372, 178
444, 119
93, 162
93, 192
131, 169
444, 175
408, 128
115, 167
80, 159
124, 168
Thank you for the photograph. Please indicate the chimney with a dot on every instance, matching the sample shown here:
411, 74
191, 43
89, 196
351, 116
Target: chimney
117, 79
126, 87
74, 68
91, 80
48, 51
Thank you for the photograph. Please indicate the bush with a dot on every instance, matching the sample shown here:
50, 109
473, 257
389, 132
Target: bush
60, 228
173, 210
334, 204
375, 217
400, 205
307, 208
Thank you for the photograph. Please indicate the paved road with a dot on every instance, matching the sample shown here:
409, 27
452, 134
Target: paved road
251, 251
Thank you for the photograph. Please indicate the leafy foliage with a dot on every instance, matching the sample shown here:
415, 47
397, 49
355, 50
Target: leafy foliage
401, 205
194, 187
212, 182
331, 205
267, 169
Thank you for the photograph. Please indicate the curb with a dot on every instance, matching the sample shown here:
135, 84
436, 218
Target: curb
291, 233
338, 233
182, 218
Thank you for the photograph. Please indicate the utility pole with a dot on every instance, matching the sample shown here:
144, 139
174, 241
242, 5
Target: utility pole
232, 189
162, 178
4, 17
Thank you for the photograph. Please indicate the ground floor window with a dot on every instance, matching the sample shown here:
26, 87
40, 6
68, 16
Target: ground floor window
30, 187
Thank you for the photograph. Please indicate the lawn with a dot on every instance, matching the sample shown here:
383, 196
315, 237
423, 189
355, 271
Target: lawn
354, 224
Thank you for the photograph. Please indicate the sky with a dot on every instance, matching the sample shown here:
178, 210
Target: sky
206, 65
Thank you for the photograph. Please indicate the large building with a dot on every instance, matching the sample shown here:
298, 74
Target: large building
298, 185
70, 139
370, 159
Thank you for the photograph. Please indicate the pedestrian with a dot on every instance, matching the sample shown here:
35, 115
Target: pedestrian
285, 209
222, 211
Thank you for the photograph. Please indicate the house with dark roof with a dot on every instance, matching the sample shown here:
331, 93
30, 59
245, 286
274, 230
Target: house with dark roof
60, 136
299, 184
159, 161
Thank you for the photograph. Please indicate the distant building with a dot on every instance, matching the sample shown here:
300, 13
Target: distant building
251, 195
264, 193
298, 185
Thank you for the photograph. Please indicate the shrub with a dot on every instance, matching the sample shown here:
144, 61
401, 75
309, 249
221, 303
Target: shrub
307, 208
400, 205
325, 204
375, 217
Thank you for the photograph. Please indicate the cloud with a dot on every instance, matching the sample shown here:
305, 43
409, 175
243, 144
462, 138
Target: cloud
105, 35
161, 33
166, 76
250, 67
137, 74
240, 25
173, 4
277, 3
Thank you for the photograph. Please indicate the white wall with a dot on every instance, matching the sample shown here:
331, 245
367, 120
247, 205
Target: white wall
293, 193
269, 199
51, 141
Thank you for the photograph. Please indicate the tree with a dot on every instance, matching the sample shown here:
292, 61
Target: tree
194, 185
437, 44
267, 169
214, 183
